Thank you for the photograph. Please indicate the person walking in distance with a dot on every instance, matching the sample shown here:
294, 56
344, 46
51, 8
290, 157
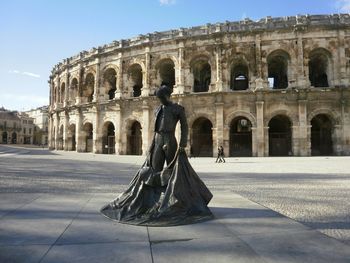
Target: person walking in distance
220, 157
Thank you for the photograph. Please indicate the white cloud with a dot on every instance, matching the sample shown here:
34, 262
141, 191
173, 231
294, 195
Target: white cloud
26, 73
167, 2
343, 5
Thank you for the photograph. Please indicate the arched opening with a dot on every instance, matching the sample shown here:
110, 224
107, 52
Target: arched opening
240, 137
135, 74
62, 92
71, 138
318, 68
167, 72
202, 137
321, 135
73, 91
280, 136
88, 90
108, 140
135, 139
60, 138
4, 137
88, 137
277, 64
239, 77
14, 138
110, 82
201, 71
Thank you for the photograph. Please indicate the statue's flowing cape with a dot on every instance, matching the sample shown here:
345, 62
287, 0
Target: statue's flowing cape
183, 199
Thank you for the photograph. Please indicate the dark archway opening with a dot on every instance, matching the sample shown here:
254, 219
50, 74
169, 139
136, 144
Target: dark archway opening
88, 90
135, 73
318, 67
321, 135
72, 139
239, 77
240, 137
108, 141
88, 130
202, 76
110, 82
135, 139
280, 136
4, 137
14, 138
202, 137
167, 73
278, 71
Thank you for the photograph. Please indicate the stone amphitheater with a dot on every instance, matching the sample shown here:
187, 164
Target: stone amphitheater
272, 87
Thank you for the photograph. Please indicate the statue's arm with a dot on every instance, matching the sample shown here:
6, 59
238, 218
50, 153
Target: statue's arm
184, 128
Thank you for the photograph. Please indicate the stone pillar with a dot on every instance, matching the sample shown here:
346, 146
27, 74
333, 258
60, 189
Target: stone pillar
260, 129
302, 79
50, 128
118, 131
67, 89
119, 84
97, 133
340, 65
145, 127
65, 131
80, 85
145, 75
97, 81
303, 142
56, 129
254, 142
219, 84
80, 146
219, 107
180, 81
58, 93
266, 141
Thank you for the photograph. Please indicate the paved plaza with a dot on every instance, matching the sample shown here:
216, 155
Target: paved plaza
287, 209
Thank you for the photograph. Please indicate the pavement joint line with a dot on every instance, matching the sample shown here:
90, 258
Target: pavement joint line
150, 244
70, 223
27, 203
294, 220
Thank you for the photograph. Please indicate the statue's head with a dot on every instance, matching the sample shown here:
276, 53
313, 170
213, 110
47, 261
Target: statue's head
163, 94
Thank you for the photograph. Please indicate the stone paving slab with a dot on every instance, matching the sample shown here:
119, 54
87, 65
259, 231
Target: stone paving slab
128, 252
69, 228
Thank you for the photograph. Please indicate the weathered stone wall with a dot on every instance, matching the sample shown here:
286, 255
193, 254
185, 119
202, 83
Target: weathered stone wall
306, 56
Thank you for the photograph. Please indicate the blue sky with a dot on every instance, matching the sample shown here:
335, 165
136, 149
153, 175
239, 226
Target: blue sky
37, 34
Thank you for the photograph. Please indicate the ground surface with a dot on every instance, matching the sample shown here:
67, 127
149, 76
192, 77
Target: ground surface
49, 205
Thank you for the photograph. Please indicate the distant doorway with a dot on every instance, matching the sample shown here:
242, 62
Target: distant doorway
280, 136
135, 139
321, 135
241, 137
202, 137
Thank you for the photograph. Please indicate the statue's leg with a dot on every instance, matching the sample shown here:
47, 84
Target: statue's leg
171, 147
158, 154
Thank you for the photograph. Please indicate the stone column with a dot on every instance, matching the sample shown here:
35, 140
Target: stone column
219, 107
58, 93
303, 142
119, 84
67, 89
65, 131
56, 129
97, 81
260, 129
80, 147
50, 128
97, 133
145, 75
80, 85
254, 142
219, 84
180, 82
118, 131
145, 127
261, 80
300, 72
340, 67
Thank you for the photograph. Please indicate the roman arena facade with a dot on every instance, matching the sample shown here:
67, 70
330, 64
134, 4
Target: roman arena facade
273, 87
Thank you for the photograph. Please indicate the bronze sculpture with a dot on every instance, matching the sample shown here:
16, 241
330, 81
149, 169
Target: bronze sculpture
174, 195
